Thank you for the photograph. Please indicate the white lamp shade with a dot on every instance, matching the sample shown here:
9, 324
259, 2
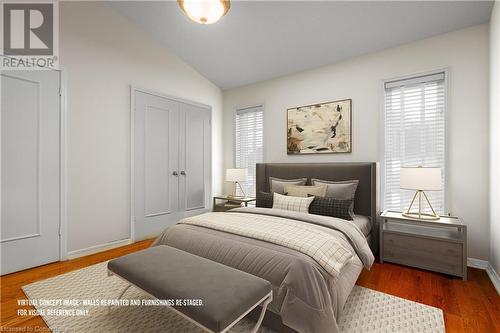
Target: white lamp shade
236, 175
425, 179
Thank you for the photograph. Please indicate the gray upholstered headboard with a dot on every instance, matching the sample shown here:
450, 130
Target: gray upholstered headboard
365, 202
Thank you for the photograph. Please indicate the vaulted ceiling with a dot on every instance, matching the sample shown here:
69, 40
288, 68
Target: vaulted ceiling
260, 40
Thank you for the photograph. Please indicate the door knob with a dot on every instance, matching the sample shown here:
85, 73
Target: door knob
183, 172
175, 173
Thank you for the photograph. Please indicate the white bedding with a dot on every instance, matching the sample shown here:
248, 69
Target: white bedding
364, 224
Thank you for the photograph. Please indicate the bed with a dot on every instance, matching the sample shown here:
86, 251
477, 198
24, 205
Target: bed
309, 293
365, 201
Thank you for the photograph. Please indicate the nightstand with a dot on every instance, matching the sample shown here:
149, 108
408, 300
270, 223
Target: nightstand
230, 203
439, 245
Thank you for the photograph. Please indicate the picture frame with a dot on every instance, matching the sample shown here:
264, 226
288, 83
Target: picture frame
321, 128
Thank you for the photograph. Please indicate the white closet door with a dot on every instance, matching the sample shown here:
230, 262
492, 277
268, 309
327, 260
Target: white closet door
194, 159
29, 169
156, 177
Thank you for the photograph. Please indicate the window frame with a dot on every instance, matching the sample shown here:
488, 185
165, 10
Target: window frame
383, 127
245, 107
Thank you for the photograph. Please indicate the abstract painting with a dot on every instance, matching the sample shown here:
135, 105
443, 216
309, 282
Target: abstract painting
320, 128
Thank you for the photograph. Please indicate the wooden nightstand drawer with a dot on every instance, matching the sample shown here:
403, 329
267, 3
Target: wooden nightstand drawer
437, 245
437, 255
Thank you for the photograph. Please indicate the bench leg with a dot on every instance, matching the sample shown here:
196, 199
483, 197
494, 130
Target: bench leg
124, 290
262, 313
119, 297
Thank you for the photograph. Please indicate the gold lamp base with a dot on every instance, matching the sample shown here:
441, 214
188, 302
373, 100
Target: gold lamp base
419, 214
233, 195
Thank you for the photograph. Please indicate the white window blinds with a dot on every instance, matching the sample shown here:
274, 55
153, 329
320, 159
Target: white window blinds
249, 142
414, 135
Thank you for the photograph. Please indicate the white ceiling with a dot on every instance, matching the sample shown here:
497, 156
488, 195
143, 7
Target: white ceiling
260, 40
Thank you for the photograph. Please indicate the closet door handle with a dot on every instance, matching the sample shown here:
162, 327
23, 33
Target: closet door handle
175, 173
183, 172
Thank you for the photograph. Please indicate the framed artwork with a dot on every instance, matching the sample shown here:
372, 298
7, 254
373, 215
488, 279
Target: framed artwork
320, 128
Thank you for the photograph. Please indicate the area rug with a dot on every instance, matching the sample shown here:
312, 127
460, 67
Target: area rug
60, 302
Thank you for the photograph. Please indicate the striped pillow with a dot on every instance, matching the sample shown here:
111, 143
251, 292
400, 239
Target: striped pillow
296, 204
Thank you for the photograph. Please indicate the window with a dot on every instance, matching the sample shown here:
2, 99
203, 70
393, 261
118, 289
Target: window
248, 143
415, 128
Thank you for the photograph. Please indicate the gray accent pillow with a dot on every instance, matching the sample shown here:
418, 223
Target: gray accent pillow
278, 185
340, 190
264, 200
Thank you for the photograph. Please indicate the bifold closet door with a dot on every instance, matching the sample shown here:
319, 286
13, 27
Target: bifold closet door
194, 159
156, 164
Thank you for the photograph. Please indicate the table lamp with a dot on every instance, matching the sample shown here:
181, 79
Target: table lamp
421, 179
236, 176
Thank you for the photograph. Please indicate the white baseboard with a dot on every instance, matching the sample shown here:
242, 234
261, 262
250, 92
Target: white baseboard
98, 248
477, 263
483, 264
494, 278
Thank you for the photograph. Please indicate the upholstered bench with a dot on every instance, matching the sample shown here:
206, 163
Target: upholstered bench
166, 273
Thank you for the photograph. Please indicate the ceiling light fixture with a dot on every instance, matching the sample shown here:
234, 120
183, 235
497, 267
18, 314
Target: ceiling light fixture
204, 11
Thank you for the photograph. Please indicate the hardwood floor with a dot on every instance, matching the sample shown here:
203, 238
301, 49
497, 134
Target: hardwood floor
468, 306
471, 306
10, 284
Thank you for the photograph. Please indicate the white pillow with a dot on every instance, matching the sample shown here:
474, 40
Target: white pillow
296, 204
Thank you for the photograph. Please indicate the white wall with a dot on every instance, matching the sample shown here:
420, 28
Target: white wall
103, 54
495, 137
464, 52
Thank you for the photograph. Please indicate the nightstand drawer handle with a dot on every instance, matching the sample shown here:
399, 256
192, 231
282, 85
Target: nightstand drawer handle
183, 172
175, 173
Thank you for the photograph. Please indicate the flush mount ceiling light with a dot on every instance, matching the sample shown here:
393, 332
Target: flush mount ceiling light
204, 11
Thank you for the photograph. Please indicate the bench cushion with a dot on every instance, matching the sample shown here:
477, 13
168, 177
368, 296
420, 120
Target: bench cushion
169, 273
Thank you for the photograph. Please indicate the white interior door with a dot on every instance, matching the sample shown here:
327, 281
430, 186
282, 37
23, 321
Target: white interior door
194, 159
30, 175
156, 164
